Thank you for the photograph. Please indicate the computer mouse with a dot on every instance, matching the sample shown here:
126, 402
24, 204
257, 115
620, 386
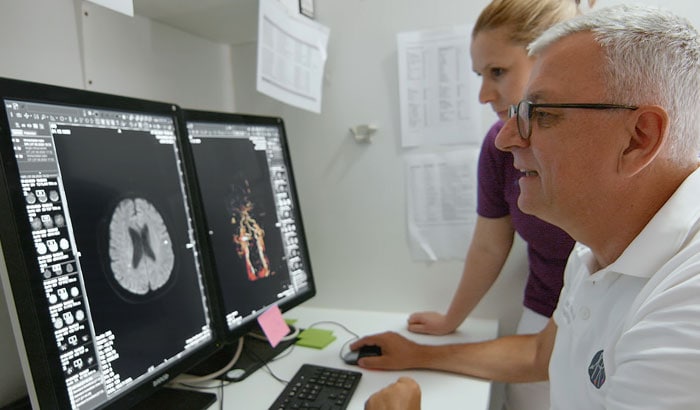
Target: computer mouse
352, 357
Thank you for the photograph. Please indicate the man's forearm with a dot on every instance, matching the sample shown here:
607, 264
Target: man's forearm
513, 359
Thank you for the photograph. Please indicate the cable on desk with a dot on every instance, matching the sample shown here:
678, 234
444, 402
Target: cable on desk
293, 335
290, 336
355, 335
337, 324
267, 368
221, 394
184, 378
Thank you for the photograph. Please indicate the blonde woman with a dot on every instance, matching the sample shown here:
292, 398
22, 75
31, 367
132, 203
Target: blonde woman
499, 56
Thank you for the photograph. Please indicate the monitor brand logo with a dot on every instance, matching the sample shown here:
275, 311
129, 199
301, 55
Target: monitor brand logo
162, 379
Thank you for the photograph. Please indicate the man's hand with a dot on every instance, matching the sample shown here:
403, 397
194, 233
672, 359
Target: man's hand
403, 394
397, 352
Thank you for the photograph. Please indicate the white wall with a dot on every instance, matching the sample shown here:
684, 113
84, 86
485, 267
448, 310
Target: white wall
12, 385
68, 43
147, 59
353, 195
40, 47
81, 45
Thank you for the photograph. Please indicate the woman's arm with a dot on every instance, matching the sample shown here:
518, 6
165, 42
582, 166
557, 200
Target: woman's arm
488, 251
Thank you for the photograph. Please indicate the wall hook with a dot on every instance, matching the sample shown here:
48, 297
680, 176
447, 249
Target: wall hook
363, 132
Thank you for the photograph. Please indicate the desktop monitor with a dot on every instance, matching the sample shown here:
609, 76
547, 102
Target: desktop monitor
252, 215
102, 263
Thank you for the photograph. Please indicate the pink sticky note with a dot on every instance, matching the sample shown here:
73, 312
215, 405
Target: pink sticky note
273, 325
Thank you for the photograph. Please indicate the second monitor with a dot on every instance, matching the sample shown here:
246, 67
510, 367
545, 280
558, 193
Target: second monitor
252, 214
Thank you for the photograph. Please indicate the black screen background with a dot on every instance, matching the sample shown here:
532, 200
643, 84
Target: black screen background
223, 165
99, 167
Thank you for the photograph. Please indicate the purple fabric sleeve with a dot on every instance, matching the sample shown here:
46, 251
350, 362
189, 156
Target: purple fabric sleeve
548, 247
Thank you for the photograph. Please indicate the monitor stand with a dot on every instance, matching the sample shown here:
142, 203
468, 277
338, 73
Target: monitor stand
164, 398
255, 354
19, 404
176, 399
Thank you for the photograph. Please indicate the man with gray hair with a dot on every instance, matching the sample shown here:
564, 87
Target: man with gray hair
607, 139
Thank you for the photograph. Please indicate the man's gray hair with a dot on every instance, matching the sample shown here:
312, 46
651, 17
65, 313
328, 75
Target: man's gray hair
653, 57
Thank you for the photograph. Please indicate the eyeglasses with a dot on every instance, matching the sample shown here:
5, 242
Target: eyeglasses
526, 109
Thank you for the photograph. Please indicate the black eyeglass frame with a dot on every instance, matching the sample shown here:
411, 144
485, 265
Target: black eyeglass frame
531, 107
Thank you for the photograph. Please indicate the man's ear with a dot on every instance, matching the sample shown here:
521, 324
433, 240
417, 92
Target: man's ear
648, 128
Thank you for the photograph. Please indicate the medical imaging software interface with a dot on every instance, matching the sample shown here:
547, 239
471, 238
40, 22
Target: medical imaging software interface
250, 211
118, 259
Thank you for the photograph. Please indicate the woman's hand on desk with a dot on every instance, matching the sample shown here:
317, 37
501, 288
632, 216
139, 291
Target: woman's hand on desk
430, 323
397, 352
403, 394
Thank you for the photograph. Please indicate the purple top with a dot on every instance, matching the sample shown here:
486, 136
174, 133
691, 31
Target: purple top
548, 247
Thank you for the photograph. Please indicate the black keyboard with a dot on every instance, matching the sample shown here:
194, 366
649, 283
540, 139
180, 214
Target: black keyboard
318, 387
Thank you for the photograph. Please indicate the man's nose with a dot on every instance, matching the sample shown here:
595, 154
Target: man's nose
509, 137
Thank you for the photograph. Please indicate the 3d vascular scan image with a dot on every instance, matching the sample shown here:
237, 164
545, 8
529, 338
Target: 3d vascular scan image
248, 236
242, 220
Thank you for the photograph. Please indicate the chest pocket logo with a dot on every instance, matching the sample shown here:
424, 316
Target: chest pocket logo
596, 370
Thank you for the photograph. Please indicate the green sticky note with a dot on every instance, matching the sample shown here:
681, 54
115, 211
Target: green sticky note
316, 342
316, 338
313, 332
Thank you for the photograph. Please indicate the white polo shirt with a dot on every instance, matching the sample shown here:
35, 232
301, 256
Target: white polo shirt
629, 335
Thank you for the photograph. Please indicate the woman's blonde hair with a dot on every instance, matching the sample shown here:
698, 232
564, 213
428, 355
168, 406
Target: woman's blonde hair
526, 19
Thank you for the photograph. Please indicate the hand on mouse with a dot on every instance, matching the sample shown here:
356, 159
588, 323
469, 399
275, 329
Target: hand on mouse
397, 352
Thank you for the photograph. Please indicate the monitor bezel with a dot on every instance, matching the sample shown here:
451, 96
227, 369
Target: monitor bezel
231, 336
34, 335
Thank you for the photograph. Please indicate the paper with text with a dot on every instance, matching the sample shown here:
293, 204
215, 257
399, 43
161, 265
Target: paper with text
292, 53
441, 203
437, 90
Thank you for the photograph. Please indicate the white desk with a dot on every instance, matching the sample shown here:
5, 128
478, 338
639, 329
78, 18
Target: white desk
440, 390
